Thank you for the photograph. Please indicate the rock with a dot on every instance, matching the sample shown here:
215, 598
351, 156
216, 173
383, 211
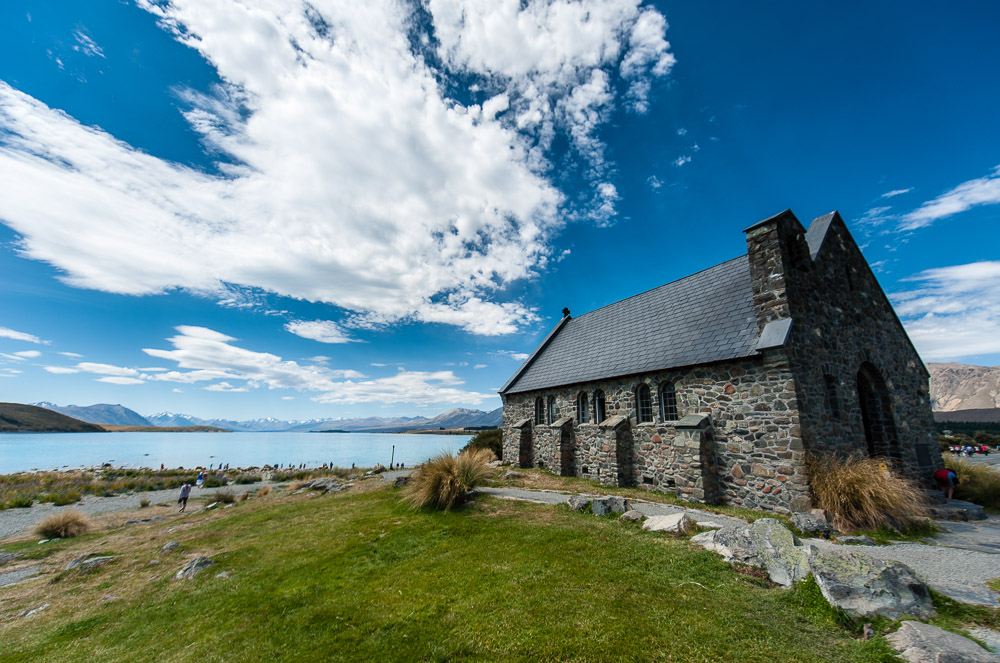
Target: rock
511, 474
822, 514
192, 568
779, 552
988, 636
600, 506
923, 643
676, 522
401, 481
211, 506
92, 562
79, 560
807, 523
222, 574
863, 540
32, 613
862, 586
632, 516
8, 557
765, 543
152, 562
578, 503
327, 485
169, 546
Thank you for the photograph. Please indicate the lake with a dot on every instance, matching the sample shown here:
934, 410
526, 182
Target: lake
21, 452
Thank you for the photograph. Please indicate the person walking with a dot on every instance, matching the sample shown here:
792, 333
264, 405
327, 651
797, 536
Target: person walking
185, 494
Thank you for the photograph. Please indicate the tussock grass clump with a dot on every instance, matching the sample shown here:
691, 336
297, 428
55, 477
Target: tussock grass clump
445, 480
262, 491
861, 496
63, 525
976, 483
224, 496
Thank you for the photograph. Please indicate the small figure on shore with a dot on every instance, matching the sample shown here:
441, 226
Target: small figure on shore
200, 480
161, 467
185, 494
946, 481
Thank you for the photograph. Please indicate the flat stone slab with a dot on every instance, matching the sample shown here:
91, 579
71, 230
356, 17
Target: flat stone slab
193, 567
863, 586
678, 522
987, 635
19, 575
923, 643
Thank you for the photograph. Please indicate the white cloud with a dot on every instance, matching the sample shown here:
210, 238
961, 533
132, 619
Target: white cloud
981, 191
288, 398
876, 216
681, 160
513, 354
71, 354
21, 336
654, 182
106, 369
120, 380
478, 366
682, 132
9, 356
61, 370
85, 44
324, 331
211, 355
955, 312
28, 354
348, 177
896, 192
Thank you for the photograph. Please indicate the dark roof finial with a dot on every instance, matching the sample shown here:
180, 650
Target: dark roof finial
565, 312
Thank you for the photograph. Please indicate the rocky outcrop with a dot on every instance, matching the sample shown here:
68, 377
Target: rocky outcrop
765, 543
680, 523
811, 524
863, 587
923, 643
193, 567
89, 562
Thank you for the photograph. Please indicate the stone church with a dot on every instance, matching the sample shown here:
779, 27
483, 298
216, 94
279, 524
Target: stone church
717, 385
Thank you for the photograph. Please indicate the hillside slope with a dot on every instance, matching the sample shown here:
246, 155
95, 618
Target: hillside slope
101, 413
18, 418
964, 387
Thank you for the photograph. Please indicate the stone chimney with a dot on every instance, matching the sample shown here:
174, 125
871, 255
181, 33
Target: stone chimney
565, 312
776, 248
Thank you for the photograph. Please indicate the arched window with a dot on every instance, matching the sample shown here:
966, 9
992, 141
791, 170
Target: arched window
600, 407
643, 404
582, 411
539, 411
552, 409
876, 413
668, 402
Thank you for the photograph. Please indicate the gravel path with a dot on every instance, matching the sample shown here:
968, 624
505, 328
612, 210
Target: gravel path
958, 564
14, 522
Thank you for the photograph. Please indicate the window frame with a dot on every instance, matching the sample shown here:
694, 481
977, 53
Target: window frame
539, 411
600, 406
641, 389
668, 402
551, 410
582, 408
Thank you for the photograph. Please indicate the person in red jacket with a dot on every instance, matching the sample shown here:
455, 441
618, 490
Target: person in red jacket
946, 481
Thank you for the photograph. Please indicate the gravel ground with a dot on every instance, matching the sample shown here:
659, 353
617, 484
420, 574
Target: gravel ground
14, 522
948, 566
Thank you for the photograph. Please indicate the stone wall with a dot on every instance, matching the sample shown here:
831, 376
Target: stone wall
843, 321
749, 451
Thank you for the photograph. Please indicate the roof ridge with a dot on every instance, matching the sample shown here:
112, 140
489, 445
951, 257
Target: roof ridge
663, 285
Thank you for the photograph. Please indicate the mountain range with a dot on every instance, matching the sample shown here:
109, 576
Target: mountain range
964, 387
122, 416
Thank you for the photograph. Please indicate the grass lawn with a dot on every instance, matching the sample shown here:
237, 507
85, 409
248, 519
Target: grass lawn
358, 576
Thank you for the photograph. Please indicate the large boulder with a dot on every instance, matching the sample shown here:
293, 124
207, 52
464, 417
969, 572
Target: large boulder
326, 484
578, 503
923, 643
765, 543
680, 523
862, 586
632, 516
602, 506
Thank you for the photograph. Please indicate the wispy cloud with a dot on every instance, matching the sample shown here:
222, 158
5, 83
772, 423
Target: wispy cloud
954, 312
682, 160
21, 336
513, 354
71, 354
324, 331
965, 196
895, 192
85, 43
349, 177
29, 354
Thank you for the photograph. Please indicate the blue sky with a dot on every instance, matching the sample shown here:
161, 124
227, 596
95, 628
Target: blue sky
348, 209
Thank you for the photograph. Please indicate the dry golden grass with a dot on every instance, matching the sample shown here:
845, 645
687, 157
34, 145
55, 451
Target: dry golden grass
445, 480
63, 525
261, 492
976, 483
861, 496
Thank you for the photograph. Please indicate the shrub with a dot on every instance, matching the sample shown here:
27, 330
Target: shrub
445, 480
976, 483
487, 439
247, 479
861, 496
20, 502
143, 503
63, 525
224, 496
264, 490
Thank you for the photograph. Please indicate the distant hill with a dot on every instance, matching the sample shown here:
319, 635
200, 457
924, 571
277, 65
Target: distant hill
457, 418
985, 415
102, 413
964, 387
18, 418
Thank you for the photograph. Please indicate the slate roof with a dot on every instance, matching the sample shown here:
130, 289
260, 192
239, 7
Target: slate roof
702, 318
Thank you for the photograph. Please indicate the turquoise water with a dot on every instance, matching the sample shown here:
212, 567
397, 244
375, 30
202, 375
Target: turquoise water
46, 451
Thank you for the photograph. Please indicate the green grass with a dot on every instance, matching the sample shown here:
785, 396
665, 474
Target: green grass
363, 577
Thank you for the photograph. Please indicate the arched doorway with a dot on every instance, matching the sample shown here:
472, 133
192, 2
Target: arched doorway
524, 451
876, 414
